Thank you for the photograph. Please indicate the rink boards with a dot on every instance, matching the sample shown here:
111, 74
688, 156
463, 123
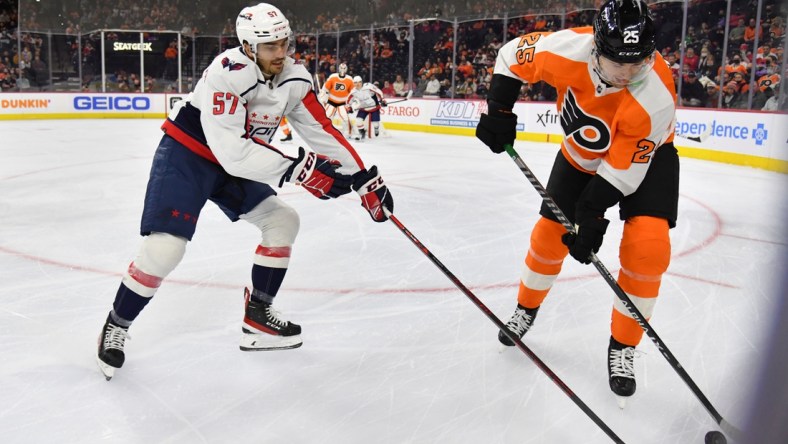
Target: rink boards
739, 137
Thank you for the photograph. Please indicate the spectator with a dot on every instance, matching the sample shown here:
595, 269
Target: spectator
39, 73
421, 88
388, 90
763, 94
735, 66
712, 94
772, 102
707, 66
736, 36
433, 87
731, 98
399, 86
171, 61
691, 60
750, 30
692, 92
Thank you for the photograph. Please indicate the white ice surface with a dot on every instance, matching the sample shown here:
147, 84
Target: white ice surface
393, 352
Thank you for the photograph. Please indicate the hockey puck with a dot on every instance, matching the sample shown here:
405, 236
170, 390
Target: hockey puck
715, 437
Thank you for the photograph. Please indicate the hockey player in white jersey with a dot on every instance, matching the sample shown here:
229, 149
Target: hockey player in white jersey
367, 99
217, 147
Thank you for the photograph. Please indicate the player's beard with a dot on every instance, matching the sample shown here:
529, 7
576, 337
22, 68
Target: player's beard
271, 68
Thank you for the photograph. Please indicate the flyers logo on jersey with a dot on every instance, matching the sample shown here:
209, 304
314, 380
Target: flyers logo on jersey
339, 87
586, 131
232, 66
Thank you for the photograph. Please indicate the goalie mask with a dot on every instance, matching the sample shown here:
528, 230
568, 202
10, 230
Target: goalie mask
342, 70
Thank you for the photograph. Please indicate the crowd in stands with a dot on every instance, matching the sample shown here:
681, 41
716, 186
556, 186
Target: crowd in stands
706, 72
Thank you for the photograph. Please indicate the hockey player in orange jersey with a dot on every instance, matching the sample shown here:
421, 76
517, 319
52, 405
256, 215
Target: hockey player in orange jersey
616, 100
337, 89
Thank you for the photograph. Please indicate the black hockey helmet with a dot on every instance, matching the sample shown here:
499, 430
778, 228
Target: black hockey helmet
624, 31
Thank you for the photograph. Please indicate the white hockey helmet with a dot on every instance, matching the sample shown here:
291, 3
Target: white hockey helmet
357, 79
261, 24
342, 70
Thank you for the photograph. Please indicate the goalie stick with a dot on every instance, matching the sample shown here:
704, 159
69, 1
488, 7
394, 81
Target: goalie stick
726, 427
501, 326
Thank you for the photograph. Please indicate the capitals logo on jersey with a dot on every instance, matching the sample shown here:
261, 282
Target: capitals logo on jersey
587, 131
232, 66
246, 15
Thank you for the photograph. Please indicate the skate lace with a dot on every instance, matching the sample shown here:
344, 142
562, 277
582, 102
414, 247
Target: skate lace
622, 363
115, 337
273, 315
520, 322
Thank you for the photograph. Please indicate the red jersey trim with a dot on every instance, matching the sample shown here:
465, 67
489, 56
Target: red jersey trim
319, 114
188, 141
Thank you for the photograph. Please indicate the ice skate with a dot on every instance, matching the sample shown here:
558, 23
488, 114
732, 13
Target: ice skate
287, 138
263, 329
519, 324
110, 356
621, 370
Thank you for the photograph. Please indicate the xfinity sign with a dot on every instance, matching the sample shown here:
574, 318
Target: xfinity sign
107, 103
120, 46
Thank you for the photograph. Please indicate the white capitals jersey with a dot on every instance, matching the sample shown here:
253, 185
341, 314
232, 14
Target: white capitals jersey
233, 113
368, 97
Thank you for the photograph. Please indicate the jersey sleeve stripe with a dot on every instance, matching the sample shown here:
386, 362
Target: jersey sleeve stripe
317, 111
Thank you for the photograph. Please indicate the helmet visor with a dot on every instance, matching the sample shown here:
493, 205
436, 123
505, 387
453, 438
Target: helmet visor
620, 74
270, 50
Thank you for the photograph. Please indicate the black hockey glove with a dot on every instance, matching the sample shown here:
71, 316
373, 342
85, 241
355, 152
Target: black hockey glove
590, 222
374, 193
497, 128
586, 239
318, 174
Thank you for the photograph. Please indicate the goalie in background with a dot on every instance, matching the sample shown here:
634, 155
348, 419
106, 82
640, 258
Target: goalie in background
334, 95
367, 100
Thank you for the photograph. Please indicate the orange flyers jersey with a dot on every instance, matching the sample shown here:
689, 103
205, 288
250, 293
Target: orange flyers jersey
338, 88
611, 131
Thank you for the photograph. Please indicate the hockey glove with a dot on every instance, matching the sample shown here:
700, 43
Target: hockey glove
497, 128
374, 193
318, 174
590, 226
586, 239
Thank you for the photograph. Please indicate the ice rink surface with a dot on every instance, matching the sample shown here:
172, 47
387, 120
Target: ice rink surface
393, 352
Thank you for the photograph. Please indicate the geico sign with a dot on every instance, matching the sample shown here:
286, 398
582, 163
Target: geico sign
103, 103
120, 46
408, 111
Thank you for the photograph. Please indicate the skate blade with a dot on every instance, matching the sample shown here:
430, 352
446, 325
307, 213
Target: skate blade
264, 342
621, 401
107, 370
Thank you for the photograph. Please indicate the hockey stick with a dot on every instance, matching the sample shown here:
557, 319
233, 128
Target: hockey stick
410, 94
726, 427
699, 138
501, 326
